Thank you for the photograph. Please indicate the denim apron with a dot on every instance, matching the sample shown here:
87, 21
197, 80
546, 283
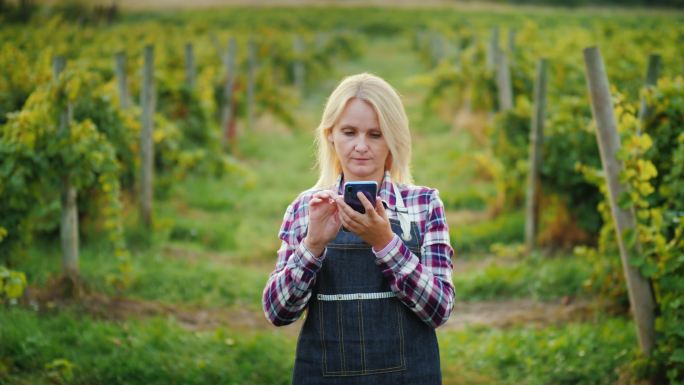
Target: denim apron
356, 330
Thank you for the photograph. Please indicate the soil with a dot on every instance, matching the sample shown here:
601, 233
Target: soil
499, 314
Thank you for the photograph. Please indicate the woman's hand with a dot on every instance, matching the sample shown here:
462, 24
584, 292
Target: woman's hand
324, 223
373, 226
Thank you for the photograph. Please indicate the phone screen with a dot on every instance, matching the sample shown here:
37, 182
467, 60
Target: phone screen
368, 188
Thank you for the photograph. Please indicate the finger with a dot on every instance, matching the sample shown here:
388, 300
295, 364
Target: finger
366, 203
344, 207
380, 208
326, 194
346, 219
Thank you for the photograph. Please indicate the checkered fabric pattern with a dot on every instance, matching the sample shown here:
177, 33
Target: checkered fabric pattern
422, 283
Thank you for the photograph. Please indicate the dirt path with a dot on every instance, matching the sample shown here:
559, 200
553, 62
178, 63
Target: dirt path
510, 313
499, 314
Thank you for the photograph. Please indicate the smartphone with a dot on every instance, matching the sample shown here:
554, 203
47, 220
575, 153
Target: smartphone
368, 188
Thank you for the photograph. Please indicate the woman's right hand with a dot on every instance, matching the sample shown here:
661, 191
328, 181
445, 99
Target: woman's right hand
324, 223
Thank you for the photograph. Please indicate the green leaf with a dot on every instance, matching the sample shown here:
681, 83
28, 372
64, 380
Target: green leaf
637, 260
677, 356
649, 269
15, 285
624, 201
630, 237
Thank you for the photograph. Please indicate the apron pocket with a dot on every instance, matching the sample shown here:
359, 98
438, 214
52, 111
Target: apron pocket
383, 336
361, 336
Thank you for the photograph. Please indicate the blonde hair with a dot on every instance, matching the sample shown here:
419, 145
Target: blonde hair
391, 116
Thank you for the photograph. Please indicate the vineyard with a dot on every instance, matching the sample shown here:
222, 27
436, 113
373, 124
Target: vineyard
147, 158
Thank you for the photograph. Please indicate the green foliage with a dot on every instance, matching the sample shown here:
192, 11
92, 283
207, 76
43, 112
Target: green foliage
12, 285
540, 278
509, 141
158, 351
575, 353
463, 79
654, 190
506, 228
568, 140
60, 371
39, 156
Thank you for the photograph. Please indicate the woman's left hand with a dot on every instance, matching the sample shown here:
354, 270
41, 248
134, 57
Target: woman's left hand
373, 226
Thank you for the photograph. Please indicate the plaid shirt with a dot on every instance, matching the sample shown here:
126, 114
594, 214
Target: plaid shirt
423, 284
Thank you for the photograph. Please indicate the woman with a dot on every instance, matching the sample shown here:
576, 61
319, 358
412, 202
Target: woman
376, 285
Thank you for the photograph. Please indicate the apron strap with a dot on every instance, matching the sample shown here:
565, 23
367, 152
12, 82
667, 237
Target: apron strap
403, 214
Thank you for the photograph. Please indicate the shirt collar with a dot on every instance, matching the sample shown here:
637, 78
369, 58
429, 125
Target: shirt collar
386, 190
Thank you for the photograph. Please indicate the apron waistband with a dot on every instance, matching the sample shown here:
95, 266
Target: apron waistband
350, 297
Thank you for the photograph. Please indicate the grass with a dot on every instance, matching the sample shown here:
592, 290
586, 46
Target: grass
159, 351
154, 351
575, 353
535, 277
476, 238
161, 275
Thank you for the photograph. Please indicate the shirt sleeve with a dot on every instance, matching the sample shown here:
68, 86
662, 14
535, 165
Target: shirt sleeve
424, 284
288, 288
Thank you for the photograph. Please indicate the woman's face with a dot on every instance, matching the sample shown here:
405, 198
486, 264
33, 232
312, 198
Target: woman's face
360, 146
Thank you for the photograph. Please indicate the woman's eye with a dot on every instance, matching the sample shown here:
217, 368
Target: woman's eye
348, 133
375, 135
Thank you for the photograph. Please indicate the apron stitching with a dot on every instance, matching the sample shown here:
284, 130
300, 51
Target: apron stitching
320, 321
363, 346
341, 334
401, 339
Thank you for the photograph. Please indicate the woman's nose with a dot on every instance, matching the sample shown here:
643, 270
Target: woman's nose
361, 144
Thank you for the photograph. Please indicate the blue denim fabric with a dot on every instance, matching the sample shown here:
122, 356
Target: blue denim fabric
363, 341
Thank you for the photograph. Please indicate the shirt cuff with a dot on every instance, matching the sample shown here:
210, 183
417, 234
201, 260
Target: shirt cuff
399, 261
308, 259
391, 245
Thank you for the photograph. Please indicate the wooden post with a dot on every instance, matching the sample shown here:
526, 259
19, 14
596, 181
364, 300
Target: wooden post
436, 48
638, 287
122, 81
217, 46
511, 47
503, 77
298, 69
651, 79
68, 227
190, 70
227, 113
492, 49
321, 41
147, 99
251, 80
536, 141
457, 53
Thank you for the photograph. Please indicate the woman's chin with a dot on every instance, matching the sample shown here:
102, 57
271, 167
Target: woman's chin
362, 173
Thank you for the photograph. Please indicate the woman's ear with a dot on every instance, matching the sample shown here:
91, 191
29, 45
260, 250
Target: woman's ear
330, 136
